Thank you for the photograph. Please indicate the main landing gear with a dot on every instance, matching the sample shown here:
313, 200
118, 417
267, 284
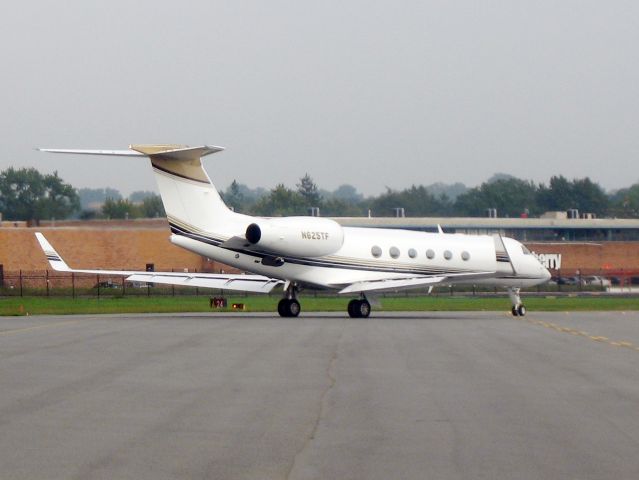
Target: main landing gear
289, 306
359, 308
518, 309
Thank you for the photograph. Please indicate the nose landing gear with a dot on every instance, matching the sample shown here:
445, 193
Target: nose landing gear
518, 309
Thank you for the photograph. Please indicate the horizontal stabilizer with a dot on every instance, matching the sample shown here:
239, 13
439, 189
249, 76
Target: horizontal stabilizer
113, 153
173, 152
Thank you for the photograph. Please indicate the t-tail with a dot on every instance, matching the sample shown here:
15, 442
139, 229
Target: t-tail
190, 199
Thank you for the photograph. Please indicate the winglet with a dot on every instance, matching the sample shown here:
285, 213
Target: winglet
55, 260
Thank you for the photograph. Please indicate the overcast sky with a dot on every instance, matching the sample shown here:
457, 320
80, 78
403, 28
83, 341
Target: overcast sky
369, 93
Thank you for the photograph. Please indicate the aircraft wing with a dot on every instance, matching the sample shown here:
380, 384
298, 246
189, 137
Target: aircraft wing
391, 285
245, 283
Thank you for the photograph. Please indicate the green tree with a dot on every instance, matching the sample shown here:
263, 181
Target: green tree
510, 196
562, 194
416, 201
590, 197
625, 202
337, 207
281, 201
348, 193
89, 197
152, 207
233, 197
119, 209
26, 194
308, 190
139, 195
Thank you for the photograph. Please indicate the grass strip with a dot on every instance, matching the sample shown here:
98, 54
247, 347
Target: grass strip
157, 304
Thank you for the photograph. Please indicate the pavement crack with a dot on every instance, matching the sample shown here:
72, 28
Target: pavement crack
321, 406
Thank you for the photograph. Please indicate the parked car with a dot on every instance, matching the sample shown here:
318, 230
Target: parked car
596, 280
567, 281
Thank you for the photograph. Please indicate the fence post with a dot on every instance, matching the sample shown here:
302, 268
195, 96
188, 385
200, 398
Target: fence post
559, 280
172, 287
123, 286
73, 284
98, 283
46, 277
21, 282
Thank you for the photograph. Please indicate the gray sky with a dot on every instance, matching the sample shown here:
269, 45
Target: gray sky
369, 93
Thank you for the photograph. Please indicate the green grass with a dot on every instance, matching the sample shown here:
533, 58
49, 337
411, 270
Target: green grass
158, 304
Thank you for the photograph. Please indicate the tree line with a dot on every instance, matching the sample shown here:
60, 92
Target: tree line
26, 194
510, 196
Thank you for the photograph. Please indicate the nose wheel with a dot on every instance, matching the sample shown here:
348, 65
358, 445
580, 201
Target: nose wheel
518, 309
359, 308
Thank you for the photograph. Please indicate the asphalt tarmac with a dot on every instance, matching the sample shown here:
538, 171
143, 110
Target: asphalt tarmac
396, 396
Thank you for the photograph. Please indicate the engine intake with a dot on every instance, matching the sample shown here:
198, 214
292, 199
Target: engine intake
253, 233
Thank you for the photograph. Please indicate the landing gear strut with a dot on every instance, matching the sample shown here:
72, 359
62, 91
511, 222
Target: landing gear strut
518, 309
289, 306
359, 308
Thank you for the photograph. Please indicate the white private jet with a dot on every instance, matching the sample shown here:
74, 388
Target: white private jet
310, 252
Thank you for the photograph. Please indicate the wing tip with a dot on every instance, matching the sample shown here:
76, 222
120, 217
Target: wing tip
54, 258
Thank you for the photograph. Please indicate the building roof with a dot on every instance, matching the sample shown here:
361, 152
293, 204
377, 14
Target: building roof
490, 223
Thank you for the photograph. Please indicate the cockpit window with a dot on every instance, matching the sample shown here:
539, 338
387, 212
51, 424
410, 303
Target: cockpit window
525, 250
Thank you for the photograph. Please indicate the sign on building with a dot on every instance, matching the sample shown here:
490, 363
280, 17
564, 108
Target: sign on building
552, 261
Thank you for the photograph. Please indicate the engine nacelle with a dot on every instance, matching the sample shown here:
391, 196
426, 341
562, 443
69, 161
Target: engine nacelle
300, 236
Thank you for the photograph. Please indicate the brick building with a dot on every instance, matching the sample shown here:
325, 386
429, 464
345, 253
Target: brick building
587, 246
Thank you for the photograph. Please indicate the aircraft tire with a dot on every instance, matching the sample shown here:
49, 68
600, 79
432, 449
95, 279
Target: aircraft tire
514, 311
289, 307
521, 310
364, 309
294, 308
359, 308
353, 308
282, 307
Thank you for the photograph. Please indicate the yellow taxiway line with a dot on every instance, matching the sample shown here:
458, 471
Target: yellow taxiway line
581, 333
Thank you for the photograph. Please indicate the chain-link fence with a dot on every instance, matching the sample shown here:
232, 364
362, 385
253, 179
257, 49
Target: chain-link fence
50, 283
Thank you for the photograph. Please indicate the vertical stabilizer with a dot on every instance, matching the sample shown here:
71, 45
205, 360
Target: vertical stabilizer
190, 199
